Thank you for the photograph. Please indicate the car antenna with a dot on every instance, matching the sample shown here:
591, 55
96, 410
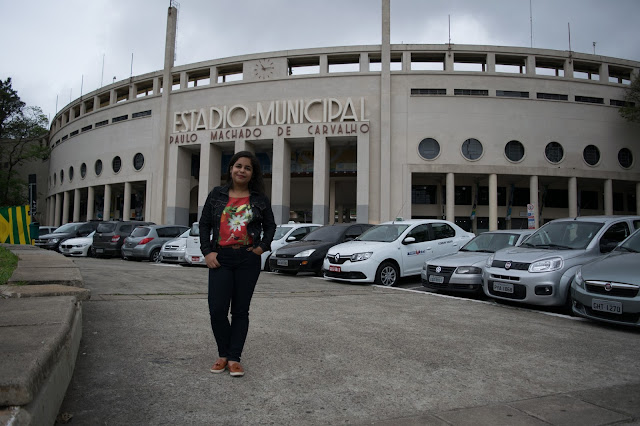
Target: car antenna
397, 217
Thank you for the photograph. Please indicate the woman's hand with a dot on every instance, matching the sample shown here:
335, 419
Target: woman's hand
256, 250
212, 260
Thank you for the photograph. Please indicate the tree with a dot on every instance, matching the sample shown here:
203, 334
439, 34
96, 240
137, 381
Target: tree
23, 133
631, 111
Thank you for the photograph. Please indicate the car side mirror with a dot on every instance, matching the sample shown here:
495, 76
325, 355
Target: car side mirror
607, 246
348, 239
291, 239
408, 240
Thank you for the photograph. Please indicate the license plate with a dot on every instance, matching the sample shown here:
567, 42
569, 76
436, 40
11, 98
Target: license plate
504, 288
606, 306
282, 262
334, 268
99, 250
436, 279
195, 258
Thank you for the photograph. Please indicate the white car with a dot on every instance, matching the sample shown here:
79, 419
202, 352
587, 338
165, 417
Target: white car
285, 234
174, 251
386, 252
192, 253
81, 246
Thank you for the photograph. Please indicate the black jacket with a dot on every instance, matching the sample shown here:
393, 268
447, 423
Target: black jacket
262, 222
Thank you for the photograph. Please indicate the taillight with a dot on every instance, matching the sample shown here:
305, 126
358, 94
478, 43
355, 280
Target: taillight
115, 238
144, 241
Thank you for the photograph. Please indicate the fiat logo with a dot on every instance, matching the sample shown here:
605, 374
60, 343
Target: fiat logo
507, 265
608, 286
336, 258
438, 269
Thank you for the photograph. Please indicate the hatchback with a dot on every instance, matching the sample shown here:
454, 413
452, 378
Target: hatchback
173, 251
110, 236
145, 242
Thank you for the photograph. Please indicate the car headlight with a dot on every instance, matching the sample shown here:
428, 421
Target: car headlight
468, 270
54, 240
547, 265
490, 260
82, 245
305, 253
578, 278
357, 257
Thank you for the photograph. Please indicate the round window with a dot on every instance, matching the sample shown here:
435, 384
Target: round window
98, 167
429, 149
554, 152
70, 173
514, 151
591, 155
138, 161
116, 164
83, 170
472, 149
61, 176
625, 158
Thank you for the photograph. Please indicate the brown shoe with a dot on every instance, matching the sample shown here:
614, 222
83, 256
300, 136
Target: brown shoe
219, 366
236, 370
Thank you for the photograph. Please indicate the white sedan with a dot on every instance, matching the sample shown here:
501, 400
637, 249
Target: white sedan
81, 246
386, 252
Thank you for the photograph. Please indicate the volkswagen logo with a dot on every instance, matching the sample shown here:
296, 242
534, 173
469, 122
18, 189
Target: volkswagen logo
438, 269
608, 286
507, 265
336, 258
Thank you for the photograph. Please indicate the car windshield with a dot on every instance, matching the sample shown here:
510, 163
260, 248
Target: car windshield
194, 231
185, 234
68, 228
490, 242
570, 235
281, 231
384, 233
104, 228
140, 231
325, 233
632, 244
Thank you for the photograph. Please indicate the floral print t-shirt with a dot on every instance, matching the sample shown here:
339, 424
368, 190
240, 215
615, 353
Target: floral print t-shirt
233, 223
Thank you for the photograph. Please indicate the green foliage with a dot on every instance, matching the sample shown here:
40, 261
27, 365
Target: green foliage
8, 263
23, 133
632, 111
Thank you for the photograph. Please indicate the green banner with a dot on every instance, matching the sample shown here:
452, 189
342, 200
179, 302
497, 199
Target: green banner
14, 225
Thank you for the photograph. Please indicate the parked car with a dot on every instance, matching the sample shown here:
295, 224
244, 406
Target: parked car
66, 231
285, 234
609, 289
192, 254
540, 271
462, 271
392, 250
110, 236
44, 230
308, 254
146, 241
173, 250
81, 246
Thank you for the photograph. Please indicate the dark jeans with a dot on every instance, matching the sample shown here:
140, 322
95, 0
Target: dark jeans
231, 286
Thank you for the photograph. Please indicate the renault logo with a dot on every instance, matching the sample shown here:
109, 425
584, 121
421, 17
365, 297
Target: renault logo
336, 258
507, 265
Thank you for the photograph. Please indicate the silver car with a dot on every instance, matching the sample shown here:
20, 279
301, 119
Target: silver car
173, 251
145, 242
609, 288
540, 271
462, 270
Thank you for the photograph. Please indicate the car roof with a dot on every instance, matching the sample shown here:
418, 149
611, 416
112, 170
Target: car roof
601, 218
412, 221
510, 231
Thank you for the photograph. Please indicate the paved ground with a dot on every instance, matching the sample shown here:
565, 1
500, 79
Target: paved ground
321, 352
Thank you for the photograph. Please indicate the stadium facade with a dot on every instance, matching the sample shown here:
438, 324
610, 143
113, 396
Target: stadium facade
487, 136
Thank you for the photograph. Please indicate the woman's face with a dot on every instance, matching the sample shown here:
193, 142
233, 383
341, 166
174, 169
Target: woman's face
242, 171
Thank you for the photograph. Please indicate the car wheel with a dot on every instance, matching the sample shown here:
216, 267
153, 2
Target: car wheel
155, 256
91, 252
568, 304
267, 268
387, 274
123, 256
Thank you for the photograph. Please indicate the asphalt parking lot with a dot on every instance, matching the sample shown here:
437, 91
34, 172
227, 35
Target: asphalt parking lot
322, 352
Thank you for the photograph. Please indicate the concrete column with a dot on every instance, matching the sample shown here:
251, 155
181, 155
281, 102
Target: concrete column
451, 198
493, 202
243, 145
491, 63
281, 180
321, 153
332, 202
362, 179
608, 197
83, 108
213, 76
573, 197
568, 68
474, 222
531, 65
113, 98
604, 73
184, 80
324, 64
210, 164
132, 91
406, 61
178, 186
96, 103
65, 206
57, 210
147, 201
385, 114
106, 213
364, 62
156, 86
91, 201
448, 61
126, 205
76, 205
533, 199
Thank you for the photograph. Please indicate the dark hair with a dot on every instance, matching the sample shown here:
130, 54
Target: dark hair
256, 183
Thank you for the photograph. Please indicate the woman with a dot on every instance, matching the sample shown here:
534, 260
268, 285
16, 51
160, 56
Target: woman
236, 215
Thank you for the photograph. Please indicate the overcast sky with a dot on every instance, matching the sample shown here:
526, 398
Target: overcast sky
56, 48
